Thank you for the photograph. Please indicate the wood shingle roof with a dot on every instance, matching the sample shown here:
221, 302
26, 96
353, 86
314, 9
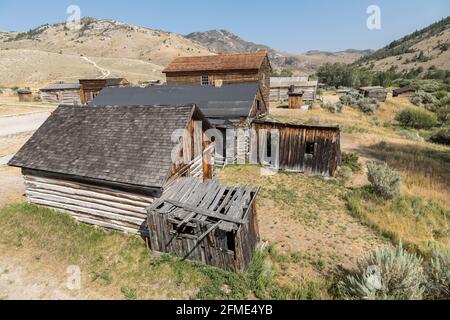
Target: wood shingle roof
126, 145
240, 61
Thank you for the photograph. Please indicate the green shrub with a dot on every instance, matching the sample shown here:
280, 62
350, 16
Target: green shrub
416, 118
438, 274
351, 99
368, 105
332, 107
351, 160
385, 181
385, 274
422, 97
442, 136
442, 109
440, 94
344, 174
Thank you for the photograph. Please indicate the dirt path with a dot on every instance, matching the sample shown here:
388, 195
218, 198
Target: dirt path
105, 72
12, 125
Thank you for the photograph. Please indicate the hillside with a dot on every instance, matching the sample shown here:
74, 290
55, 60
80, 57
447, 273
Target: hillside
424, 48
307, 63
53, 52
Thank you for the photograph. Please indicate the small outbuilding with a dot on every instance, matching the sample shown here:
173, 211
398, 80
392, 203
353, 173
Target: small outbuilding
295, 99
403, 92
378, 93
106, 166
90, 88
206, 222
62, 93
297, 148
25, 95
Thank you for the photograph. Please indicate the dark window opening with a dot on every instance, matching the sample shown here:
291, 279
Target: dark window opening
230, 241
269, 144
310, 148
184, 230
258, 105
205, 80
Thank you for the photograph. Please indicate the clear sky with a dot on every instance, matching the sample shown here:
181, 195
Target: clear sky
289, 25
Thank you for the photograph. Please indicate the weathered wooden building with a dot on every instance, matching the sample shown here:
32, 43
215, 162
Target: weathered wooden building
280, 86
105, 166
378, 93
232, 106
297, 148
62, 93
295, 100
253, 67
90, 88
403, 92
207, 222
25, 95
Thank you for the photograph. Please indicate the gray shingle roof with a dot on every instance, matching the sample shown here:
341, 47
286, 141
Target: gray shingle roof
127, 145
231, 101
62, 86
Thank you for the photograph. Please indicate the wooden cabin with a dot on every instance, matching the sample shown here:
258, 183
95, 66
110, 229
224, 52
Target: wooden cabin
90, 88
403, 92
230, 109
206, 222
62, 93
106, 166
280, 87
250, 67
378, 93
297, 148
25, 95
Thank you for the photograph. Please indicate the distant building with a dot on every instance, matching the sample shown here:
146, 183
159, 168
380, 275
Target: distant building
280, 86
229, 106
250, 67
407, 92
25, 95
62, 93
90, 88
378, 93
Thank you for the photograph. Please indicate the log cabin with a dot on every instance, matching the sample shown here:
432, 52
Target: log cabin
105, 166
206, 222
62, 93
378, 93
280, 87
249, 67
90, 88
229, 108
308, 149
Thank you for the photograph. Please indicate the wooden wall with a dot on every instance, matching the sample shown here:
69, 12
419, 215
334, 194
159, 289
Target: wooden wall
100, 206
66, 97
294, 142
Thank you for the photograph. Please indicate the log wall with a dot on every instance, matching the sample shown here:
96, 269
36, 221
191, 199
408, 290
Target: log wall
66, 97
99, 206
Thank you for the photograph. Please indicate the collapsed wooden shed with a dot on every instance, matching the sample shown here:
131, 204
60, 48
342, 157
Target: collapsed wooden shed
105, 166
300, 148
404, 92
378, 93
62, 93
206, 222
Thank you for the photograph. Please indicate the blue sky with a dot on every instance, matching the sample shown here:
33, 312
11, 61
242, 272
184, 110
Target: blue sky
289, 25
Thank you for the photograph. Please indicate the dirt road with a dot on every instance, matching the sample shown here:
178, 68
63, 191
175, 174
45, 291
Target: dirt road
12, 125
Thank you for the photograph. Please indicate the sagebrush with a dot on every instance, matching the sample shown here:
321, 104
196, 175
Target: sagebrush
385, 181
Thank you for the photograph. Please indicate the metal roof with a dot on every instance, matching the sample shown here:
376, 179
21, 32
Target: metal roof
62, 86
232, 101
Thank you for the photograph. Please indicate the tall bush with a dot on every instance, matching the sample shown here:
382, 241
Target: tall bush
416, 118
385, 181
438, 273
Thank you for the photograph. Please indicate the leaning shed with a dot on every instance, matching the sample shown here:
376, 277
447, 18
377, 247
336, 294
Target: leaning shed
62, 93
280, 86
378, 93
105, 166
229, 107
90, 88
300, 148
207, 222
